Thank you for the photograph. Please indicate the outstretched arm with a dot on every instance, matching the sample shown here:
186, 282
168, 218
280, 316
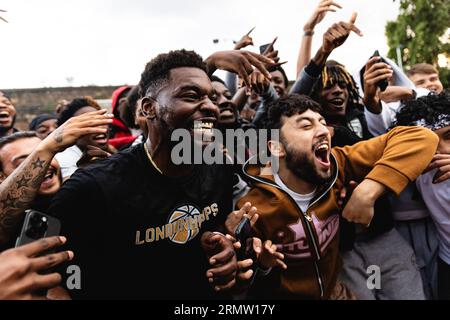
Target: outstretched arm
19, 189
333, 38
304, 55
240, 62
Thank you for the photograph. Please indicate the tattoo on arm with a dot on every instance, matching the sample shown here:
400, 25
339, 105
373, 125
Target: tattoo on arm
59, 136
18, 191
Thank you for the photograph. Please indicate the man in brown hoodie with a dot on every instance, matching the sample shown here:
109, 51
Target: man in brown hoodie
297, 204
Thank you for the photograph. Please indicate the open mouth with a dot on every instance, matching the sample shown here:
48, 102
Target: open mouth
100, 138
337, 102
226, 113
322, 154
4, 116
48, 178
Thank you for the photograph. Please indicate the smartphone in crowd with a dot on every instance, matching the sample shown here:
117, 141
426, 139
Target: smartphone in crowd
243, 234
264, 47
383, 84
37, 225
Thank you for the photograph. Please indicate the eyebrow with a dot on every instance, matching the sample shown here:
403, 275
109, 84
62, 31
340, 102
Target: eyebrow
308, 119
22, 156
188, 87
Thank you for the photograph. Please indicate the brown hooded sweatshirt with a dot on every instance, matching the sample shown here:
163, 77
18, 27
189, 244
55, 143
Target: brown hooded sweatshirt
309, 240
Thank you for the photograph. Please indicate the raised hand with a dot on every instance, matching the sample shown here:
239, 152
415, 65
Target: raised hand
320, 13
235, 217
240, 62
267, 254
245, 41
68, 133
21, 268
336, 35
375, 71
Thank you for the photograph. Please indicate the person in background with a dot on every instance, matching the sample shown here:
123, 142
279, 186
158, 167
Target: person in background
43, 125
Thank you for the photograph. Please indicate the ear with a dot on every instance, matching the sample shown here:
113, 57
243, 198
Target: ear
148, 107
276, 148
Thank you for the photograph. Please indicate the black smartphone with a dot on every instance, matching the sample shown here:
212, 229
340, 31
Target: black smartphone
37, 225
383, 84
264, 47
243, 234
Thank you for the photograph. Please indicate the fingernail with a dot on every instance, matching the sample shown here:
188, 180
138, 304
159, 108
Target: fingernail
209, 275
62, 239
210, 280
70, 254
212, 261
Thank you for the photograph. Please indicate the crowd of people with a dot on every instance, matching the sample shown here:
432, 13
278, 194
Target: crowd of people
359, 180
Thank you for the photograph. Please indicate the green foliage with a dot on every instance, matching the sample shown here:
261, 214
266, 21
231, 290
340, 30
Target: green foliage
422, 31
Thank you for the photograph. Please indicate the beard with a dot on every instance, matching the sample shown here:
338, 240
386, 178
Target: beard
302, 167
4, 130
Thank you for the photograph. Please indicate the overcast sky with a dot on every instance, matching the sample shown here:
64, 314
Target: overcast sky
107, 42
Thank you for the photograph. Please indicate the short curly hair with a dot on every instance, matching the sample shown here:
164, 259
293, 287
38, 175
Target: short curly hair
427, 109
289, 105
157, 71
75, 105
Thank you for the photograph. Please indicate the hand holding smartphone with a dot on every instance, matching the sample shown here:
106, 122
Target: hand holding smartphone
37, 225
383, 84
243, 234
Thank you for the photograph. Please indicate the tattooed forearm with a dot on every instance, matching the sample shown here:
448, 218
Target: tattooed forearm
59, 135
18, 191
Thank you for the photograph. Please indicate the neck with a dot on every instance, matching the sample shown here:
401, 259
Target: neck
161, 156
293, 182
7, 132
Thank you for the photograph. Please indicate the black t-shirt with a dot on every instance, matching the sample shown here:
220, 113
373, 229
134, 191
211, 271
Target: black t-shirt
135, 233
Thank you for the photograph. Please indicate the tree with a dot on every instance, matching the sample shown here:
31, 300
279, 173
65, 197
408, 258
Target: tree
422, 32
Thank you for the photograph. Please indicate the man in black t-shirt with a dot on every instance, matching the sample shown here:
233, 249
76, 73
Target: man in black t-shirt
141, 226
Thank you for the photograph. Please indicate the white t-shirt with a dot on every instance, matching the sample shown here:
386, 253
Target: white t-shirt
302, 200
68, 160
437, 200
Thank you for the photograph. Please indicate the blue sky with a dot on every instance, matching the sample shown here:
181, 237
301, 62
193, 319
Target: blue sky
84, 42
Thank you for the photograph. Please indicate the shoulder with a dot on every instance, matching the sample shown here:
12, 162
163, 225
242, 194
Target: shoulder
123, 162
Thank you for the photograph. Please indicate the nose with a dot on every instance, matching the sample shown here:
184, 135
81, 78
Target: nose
209, 108
336, 90
221, 100
322, 131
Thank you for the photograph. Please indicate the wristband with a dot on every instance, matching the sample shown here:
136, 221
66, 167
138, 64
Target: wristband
308, 33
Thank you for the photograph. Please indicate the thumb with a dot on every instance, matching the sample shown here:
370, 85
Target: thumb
257, 245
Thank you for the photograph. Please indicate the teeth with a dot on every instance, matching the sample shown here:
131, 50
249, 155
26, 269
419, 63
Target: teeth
202, 125
322, 147
4, 114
